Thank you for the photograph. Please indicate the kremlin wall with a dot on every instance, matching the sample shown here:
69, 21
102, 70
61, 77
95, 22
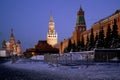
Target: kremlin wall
80, 28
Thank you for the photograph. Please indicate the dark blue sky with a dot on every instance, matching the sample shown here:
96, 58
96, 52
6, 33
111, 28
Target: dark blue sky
29, 18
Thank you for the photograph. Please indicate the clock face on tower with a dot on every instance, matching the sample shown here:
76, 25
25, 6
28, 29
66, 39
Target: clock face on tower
51, 27
80, 29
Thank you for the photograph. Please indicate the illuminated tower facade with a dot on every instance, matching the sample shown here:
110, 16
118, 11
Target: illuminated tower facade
52, 37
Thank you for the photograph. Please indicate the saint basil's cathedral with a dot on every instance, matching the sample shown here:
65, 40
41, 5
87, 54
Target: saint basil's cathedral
12, 47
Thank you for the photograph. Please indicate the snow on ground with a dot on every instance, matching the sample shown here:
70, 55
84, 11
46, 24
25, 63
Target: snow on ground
98, 71
38, 57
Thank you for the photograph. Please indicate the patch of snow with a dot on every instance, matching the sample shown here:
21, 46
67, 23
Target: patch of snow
38, 57
115, 59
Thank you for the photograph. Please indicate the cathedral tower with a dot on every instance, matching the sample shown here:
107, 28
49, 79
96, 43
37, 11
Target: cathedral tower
12, 41
52, 37
13, 45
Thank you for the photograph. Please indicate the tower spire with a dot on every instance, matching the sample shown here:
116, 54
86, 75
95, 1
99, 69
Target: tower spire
11, 30
12, 35
80, 8
51, 17
12, 40
80, 23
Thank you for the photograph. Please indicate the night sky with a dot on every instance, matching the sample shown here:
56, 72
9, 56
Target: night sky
29, 18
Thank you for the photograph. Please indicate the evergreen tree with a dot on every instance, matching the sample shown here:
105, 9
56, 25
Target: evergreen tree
118, 45
91, 44
87, 43
82, 42
96, 39
108, 37
65, 50
69, 46
100, 42
78, 45
115, 30
115, 38
73, 48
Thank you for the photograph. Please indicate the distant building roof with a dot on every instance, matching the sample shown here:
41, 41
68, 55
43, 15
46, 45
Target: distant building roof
43, 47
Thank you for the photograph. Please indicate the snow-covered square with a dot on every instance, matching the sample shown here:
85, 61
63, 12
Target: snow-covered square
33, 69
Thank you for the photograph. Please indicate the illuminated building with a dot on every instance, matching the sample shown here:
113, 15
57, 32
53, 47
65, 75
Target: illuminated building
12, 45
52, 37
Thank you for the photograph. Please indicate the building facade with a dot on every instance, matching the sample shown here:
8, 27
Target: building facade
12, 45
52, 37
80, 29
